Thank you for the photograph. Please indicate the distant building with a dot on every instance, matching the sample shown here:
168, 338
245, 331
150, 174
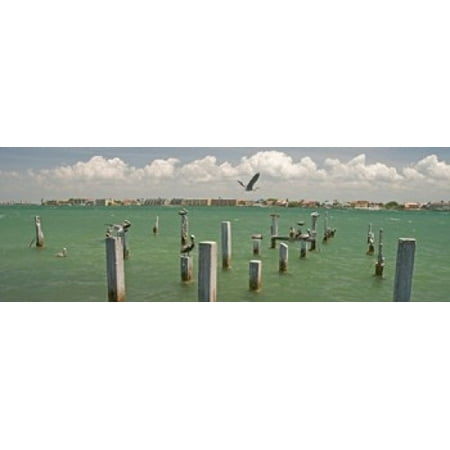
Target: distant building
104, 202
246, 202
412, 205
224, 202
197, 202
130, 202
78, 201
156, 202
360, 204
50, 203
310, 203
438, 206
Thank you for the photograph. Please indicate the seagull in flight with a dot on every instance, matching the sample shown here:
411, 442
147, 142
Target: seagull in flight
251, 183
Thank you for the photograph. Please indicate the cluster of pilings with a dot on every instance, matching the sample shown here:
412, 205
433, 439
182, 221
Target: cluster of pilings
310, 237
117, 251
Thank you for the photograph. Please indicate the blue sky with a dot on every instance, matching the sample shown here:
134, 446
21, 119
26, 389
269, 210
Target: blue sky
403, 174
23, 158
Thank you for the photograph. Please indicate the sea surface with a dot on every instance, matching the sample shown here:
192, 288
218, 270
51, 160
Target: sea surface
339, 270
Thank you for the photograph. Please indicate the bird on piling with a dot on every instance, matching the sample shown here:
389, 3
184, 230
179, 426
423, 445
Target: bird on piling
62, 254
114, 227
251, 183
188, 248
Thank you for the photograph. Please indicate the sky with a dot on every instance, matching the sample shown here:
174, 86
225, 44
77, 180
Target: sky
315, 173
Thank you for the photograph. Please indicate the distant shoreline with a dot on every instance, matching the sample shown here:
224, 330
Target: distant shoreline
438, 206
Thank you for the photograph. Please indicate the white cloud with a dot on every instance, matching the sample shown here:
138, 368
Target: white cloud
357, 170
281, 175
429, 168
97, 168
158, 168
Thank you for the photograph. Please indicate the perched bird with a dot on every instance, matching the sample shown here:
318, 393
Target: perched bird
188, 248
251, 183
62, 254
126, 224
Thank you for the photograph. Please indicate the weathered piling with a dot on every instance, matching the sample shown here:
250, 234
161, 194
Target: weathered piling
186, 267
122, 234
314, 217
184, 231
255, 271
274, 229
207, 272
156, 226
257, 238
292, 233
379, 266
226, 244
283, 260
303, 246
404, 269
326, 234
115, 269
39, 233
371, 241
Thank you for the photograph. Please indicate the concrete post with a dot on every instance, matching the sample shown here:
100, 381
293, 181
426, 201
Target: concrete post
283, 262
207, 272
404, 269
226, 244
255, 267
115, 269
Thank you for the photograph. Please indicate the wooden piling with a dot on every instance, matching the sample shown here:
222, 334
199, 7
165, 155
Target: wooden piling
371, 241
226, 244
283, 260
115, 269
207, 272
314, 217
156, 226
303, 248
379, 266
186, 267
39, 233
326, 232
184, 230
274, 229
370, 234
404, 269
255, 266
122, 234
257, 238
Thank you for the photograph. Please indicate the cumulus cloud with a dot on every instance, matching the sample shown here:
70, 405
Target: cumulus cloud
358, 170
281, 175
429, 168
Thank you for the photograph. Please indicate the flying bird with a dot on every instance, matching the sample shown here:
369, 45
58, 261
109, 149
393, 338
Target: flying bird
251, 183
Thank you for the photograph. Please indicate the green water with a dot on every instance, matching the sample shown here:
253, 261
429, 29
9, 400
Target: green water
337, 271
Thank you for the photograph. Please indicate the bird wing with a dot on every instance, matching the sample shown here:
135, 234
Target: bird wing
252, 181
241, 183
